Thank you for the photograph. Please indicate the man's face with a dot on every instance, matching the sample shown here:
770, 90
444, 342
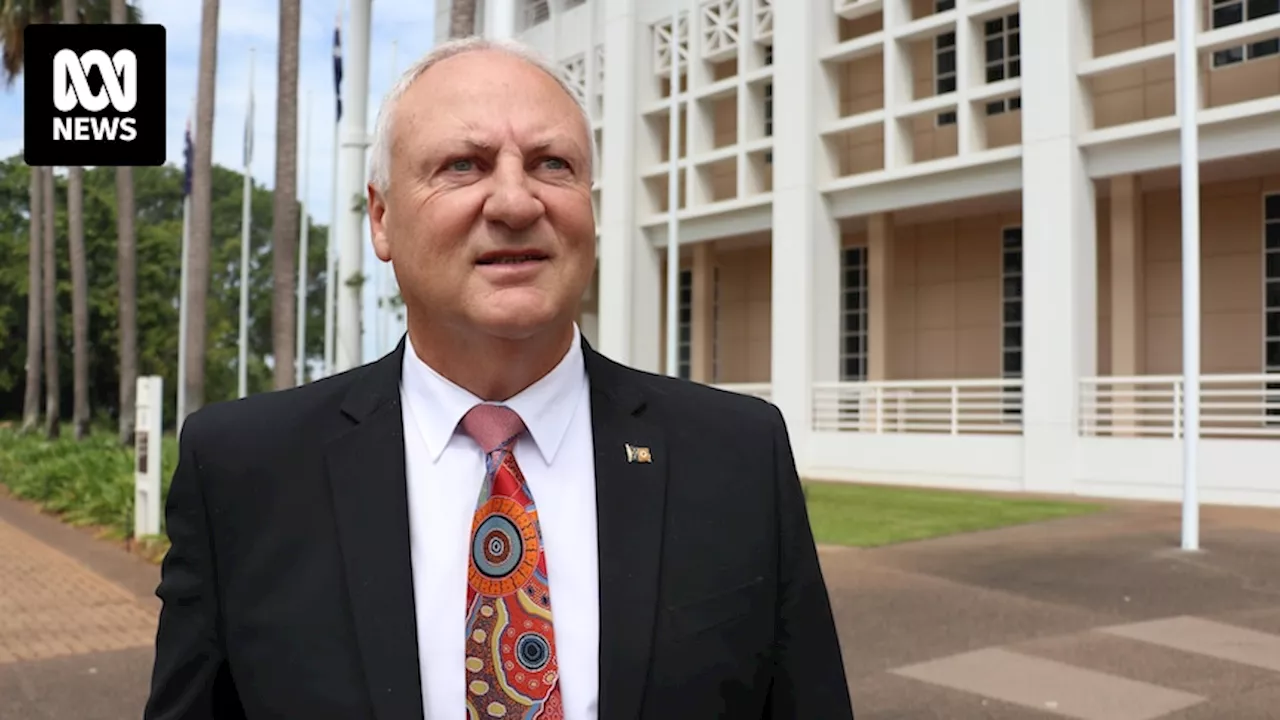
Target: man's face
488, 217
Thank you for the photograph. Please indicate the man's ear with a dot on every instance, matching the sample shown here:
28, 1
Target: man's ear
377, 228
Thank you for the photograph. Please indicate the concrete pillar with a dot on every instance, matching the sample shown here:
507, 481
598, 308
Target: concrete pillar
806, 240
499, 18
629, 266
702, 325
880, 269
1060, 244
1128, 288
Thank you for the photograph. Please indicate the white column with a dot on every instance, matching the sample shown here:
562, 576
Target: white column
630, 269
499, 18
351, 190
806, 241
897, 83
1059, 243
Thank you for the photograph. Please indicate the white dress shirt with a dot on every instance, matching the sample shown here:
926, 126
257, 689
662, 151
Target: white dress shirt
445, 469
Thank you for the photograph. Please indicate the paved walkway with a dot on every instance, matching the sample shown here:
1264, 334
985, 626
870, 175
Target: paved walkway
1095, 618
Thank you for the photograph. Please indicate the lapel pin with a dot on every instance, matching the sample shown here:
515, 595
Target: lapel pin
638, 454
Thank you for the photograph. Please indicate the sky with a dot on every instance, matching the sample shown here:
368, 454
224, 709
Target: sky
406, 27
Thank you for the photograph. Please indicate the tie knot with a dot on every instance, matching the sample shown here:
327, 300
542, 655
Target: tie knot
492, 426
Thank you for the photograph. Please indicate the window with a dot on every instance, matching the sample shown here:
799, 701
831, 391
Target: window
853, 349
945, 72
1011, 318
1003, 58
1271, 298
768, 109
536, 11
945, 5
768, 55
1234, 12
684, 347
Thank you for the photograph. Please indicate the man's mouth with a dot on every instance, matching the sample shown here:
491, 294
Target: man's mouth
510, 258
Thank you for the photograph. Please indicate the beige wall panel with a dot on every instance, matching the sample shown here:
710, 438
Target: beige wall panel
1242, 81
978, 303
935, 354
1004, 130
1230, 343
725, 117
936, 309
978, 352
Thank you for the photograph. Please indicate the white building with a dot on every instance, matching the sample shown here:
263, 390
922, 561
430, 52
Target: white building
943, 236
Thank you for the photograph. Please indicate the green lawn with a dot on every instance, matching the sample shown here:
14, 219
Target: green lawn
870, 515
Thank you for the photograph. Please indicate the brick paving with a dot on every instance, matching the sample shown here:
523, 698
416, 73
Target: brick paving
53, 606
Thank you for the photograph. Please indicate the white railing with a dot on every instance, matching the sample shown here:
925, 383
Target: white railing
952, 407
1231, 406
760, 390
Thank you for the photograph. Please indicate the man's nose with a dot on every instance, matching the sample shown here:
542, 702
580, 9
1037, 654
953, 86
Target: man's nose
512, 202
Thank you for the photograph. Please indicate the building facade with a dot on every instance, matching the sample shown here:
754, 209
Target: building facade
942, 236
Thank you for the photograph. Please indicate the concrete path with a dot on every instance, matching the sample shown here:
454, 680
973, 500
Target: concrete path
1095, 618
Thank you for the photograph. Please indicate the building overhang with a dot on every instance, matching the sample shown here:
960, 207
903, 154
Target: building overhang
993, 172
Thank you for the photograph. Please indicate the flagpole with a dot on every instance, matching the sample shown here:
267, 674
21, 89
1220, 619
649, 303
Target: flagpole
301, 354
673, 200
246, 219
1187, 27
331, 256
351, 184
188, 150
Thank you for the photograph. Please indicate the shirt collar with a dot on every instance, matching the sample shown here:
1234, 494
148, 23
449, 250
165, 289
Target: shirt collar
547, 406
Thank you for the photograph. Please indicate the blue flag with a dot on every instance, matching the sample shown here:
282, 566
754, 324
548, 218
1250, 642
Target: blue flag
337, 64
187, 154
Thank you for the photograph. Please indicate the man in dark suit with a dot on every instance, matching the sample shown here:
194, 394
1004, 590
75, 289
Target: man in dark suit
493, 519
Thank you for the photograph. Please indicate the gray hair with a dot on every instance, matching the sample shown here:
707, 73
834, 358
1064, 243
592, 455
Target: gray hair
380, 150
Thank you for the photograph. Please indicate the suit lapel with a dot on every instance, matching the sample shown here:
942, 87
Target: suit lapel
630, 497
367, 477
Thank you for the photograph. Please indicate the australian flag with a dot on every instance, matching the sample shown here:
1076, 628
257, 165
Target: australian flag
187, 154
337, 64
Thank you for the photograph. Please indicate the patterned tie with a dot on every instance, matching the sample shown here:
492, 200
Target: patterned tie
511, 658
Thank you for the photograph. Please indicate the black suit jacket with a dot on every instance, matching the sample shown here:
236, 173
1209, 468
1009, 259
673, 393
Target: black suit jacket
287, 590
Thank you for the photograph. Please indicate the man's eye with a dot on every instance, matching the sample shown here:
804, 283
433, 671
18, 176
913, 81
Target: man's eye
461, 165
557, 163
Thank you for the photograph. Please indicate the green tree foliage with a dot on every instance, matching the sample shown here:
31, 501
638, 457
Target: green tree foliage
159, 226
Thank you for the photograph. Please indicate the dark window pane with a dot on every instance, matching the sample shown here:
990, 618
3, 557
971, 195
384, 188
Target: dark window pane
946, 85
1228, 57
995, 73
946, 40
1263, 8
1013, 261
1273, 265
684, 333
1014, 21
853, 323
1273, 354
1273, 207
946, 63
995, 108
1012, 237
1013, 337
1015, 45
1273, 294
1273, 323
995, 26
854, 300
945, 5
853, 344
1266, 48
1013, 287
947, 118
995, 49
1015, 103
851, 368
1015, 68
1225, 15
1013, 362
1013, 312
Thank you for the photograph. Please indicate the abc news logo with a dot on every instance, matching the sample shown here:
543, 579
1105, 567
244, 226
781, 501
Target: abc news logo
94, 95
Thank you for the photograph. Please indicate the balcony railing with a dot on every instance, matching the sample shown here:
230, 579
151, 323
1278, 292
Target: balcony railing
1231, 406
951, 407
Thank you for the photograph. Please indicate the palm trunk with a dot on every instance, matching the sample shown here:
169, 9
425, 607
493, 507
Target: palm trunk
284, 222
201, 208
462, 18
127, 280
79, 282
52, 415
31, 402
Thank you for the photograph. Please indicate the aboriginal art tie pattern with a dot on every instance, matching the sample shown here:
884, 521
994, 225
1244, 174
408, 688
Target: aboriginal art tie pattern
511, 658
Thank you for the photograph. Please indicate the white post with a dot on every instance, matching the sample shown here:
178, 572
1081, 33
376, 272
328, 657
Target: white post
246, 220
1188, 110
182, 314
148, 457
673, 200
300, 362
351, 185
331, 242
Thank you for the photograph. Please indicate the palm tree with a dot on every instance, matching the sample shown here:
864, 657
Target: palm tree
79, 283
462, 18
31, 402
52, 399
126, 280
284, 221
201, 209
